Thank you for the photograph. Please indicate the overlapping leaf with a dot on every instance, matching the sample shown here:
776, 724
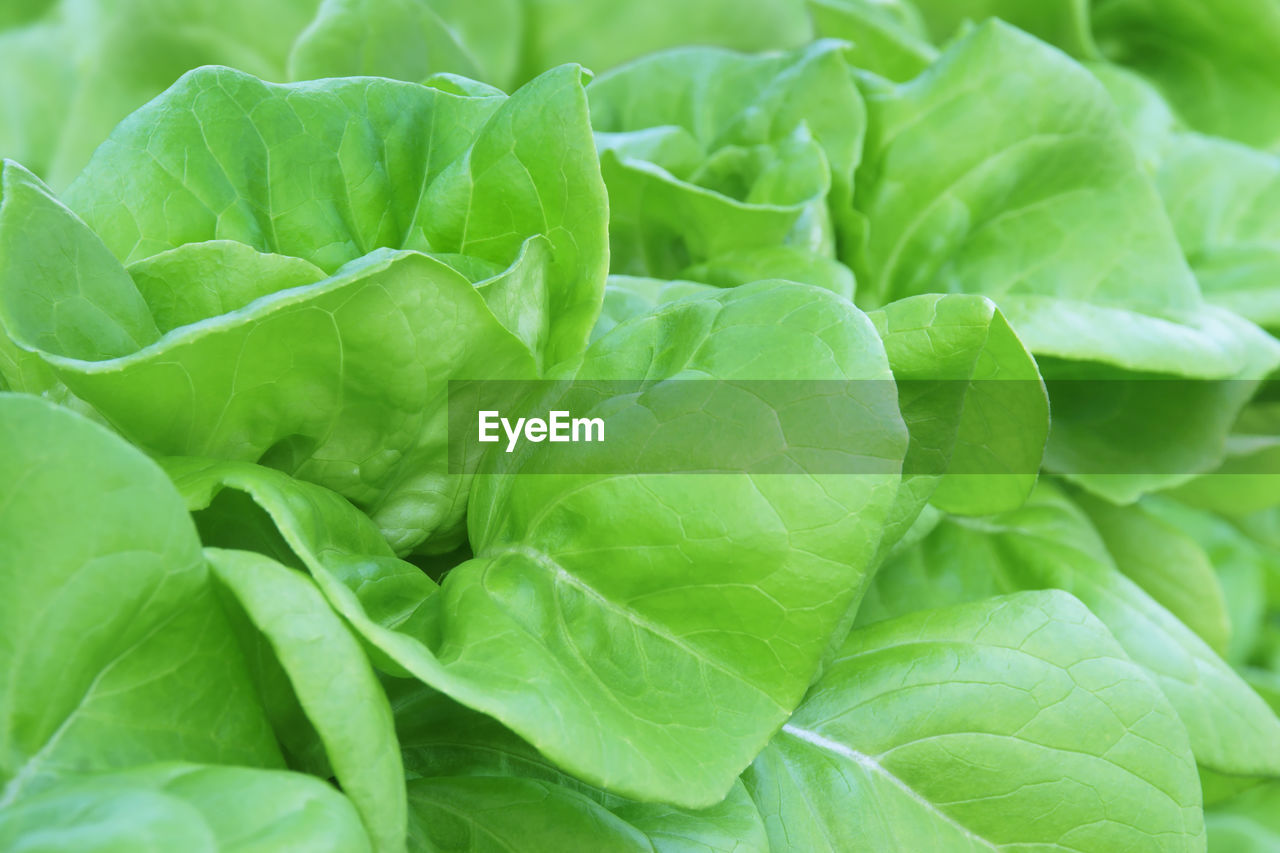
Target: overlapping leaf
304, 301
1049, 544
1011, 722
115, 649
556, 624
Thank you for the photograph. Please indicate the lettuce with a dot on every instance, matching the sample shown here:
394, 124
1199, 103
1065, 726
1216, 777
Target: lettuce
931, 502
457, 232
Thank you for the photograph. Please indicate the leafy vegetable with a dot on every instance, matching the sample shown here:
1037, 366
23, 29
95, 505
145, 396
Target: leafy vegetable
317, 652
539, 596
359, 273
1221, 197
1247, 823
188, 807
115, 651
71, 69
1050, 544
751, 161
1003, 759
924, 351
1215, 70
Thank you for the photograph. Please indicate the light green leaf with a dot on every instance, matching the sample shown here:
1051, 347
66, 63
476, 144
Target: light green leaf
247, 507
625, 575
774, 262
1263, 529
887, 37
19, 12
627, 296
971, 396
1049, 544
114, 648
198, 281
1265, 681
187, 807
1121, 434
495, 814
411, 40
1147, 117
1249, 823
394, 165
1062, 23
602, 34
1218, 70
738, 615
442, 739
732, 826
1164, 558
334, 684
745, 162
1242, 566
62, 291
1247, 481
1004, 170
1224, 201
1011, 723
68, 76
302, 326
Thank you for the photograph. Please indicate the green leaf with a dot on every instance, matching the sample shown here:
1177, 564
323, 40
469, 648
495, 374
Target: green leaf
1249, 823
887, 37
774, 262
1121, 435
313, 381
972, 398
1242, 565
746, 162
443, 740
624, 572
188, 807
198, 281
1217, 70
493, 814
447, 174
1164, 558
1062, 23
334, 684
602, 34
1011, 723
300, 317
20, 12
411, 40
1147, 117
68, 76
705, 669
1263, 529
1004, 170
62, 291
1246, 482
114, 648
1224, 201
628, 296
1049, 544
247, 507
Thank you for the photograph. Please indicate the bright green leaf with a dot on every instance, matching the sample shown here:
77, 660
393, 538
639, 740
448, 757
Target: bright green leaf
1049, 544
1011, 723
187, 807
334, 684
115, 650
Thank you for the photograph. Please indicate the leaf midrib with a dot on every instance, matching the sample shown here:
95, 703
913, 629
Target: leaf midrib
868, 763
